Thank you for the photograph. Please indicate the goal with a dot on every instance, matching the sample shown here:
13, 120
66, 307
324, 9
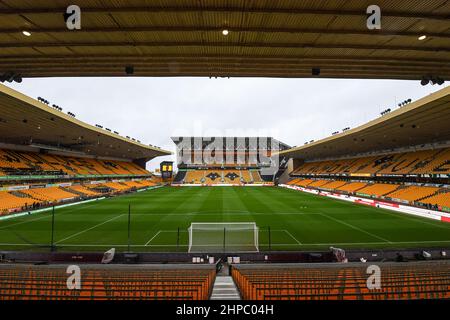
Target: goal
223, 237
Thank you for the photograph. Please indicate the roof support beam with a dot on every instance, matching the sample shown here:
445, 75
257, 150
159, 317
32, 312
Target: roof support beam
27, 44
339, 74
287, 11
223, 58
225, 67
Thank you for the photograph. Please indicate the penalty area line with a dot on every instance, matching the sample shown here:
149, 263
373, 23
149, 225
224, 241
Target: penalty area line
356, 228
88, 229
295, 239
148, 242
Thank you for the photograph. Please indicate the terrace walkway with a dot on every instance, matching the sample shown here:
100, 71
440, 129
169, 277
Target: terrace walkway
225, 289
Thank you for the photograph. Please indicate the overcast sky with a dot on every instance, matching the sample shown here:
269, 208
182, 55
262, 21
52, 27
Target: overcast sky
291, 110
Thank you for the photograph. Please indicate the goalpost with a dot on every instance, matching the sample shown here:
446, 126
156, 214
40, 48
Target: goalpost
223, 236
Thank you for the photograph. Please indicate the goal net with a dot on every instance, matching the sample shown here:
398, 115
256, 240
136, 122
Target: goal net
223, 237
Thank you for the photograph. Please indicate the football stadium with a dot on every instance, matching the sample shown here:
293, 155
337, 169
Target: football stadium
362, 213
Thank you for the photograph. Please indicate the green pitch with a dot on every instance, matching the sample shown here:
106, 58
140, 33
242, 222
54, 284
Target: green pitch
297, 221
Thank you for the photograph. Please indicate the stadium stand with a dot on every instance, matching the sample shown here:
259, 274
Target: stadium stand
37, 197
439, 164
305, 182
194, 176
318, 183
19, 282
219, 176
132, 184
256, 176
332, 185
231, 176
418, 162
378, 189
83, 190
213, 177
426, 196
337, 282
52, 194
16, 163
117, 186
295, 181
147, 183
352, 187
237, 160
413, 193
246, 176
8, 201
417, 178
441, 199
42, 174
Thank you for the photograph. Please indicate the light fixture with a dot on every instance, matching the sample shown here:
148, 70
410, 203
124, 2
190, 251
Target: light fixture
225, 32
425, 81
422, 37
10, 77
26, 33
129, 70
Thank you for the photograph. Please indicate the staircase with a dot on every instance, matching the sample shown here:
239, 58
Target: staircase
225, 289
179, 178
282, 169
19, 194
253, 177
78, 193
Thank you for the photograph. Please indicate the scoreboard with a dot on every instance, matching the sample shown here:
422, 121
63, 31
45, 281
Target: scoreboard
166, 168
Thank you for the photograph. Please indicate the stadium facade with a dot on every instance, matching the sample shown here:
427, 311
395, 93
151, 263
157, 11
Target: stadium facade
229, 160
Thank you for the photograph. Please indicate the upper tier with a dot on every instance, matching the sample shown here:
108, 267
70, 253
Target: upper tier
25, 164
425, 162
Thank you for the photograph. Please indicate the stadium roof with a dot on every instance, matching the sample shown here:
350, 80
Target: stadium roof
424, 121
253, 141
266, 38
26, 121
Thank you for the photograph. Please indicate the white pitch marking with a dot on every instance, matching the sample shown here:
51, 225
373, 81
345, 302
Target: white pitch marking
221, 214
295, 239
88, 229
146, 244
262, 244
44, 216
356, 228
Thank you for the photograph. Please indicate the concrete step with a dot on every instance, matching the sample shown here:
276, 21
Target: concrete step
225, 289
